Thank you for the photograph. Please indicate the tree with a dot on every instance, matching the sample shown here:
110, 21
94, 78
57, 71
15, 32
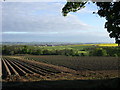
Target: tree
98, 52
12, 52
39, 52
109, 10
25, 49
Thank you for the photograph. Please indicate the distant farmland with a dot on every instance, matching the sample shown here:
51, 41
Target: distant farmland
60, 62
81, 46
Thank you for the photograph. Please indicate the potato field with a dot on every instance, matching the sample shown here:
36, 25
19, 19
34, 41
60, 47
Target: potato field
34, 70
80, 63
17, 67
52, 67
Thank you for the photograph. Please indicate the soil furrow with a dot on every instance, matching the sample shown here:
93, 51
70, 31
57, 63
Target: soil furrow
7, 69
23, 68
39, 68
19, 70
13, 69
30, 68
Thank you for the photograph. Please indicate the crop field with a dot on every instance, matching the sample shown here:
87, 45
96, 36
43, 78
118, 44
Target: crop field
79, 63
75, 47
108, 45
80, 46
12, 67
58, 67
39, 68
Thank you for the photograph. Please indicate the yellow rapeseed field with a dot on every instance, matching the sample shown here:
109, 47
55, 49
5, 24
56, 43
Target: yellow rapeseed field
102, 44
108, 45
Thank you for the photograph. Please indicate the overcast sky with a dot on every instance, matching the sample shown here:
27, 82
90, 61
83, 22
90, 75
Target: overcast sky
43, 22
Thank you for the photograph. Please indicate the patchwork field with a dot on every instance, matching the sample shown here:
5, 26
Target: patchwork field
81, 46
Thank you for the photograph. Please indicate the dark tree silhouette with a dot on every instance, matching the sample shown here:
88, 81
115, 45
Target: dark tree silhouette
109, 10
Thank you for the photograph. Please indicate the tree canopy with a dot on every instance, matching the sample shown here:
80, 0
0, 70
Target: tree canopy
109, 10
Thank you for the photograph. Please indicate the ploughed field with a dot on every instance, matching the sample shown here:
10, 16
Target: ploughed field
35, 68
79, 63
14, 68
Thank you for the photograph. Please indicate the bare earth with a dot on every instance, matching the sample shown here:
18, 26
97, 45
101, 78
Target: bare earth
65, 74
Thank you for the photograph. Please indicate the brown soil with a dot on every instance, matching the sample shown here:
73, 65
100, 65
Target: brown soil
66, 74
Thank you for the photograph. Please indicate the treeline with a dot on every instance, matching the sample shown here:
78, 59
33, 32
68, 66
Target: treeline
104, 51
12, 50
92, 51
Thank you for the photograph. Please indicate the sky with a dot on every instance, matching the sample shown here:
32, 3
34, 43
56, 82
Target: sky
44, 22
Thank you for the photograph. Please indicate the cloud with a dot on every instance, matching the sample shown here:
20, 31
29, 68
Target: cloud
83, 37
35, 0
0, 21
39, 17
44, 22
14, 32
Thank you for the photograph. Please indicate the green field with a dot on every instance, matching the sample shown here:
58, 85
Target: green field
76, 47
67, 50
79, 47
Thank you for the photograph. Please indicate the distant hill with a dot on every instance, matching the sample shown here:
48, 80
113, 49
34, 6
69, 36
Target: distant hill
45, 43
